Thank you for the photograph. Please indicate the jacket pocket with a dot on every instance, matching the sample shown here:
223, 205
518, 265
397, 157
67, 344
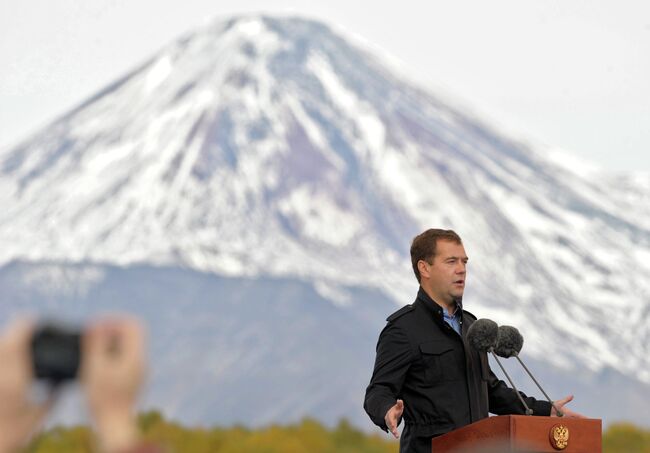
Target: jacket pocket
436, 355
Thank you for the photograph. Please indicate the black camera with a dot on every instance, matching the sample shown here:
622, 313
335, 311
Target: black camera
56, 352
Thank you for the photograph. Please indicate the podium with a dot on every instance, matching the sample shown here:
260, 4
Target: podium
521, 433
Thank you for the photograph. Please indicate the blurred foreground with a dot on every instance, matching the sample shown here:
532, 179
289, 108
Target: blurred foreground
308, 436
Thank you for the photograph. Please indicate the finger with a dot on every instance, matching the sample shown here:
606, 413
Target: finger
563, 401
400, 408
15, 347
90, 341
391, 426
123, 337
133, 339
91, 347
571, 414
391, 420
107, 337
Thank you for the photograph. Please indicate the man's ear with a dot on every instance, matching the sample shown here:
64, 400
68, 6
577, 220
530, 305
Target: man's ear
423, 268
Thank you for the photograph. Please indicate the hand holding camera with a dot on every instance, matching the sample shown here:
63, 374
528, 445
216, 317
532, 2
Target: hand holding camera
19, 415
108, 358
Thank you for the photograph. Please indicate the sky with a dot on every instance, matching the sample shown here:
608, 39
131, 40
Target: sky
569, 75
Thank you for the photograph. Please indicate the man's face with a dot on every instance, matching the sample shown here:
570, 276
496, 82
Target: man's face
444, 278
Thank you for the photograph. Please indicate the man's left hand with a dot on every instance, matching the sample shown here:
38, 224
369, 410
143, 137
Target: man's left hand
565, 412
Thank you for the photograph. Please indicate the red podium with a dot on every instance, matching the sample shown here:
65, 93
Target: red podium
521, 433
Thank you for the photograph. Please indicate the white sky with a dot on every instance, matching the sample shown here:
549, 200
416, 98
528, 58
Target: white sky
570, 74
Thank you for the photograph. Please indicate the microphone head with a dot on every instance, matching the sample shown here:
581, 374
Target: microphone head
482, 334
509, 342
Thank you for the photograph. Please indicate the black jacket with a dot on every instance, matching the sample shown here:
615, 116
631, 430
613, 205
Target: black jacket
445, 383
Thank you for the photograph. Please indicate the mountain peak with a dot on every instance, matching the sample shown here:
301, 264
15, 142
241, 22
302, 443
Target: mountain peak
264, 146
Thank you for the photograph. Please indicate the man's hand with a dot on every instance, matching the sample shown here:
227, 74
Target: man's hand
112, 372
392, 417
19, 414
565, 412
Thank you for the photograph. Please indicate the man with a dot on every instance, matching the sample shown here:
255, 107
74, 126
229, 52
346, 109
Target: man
425, 370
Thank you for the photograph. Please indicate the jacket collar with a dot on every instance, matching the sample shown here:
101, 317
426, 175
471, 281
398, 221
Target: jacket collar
432, 307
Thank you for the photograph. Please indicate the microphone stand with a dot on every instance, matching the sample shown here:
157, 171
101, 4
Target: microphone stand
558, 411
529, 411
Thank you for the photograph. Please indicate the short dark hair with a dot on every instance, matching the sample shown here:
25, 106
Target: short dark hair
424, 244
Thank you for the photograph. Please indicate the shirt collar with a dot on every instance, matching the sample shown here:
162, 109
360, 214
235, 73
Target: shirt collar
452, 315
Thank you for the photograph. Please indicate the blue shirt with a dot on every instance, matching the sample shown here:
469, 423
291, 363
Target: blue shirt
453, 320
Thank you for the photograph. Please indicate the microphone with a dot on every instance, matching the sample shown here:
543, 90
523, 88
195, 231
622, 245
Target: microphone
509, 344
483, 336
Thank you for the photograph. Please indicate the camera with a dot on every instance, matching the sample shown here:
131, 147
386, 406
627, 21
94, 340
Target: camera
56, 352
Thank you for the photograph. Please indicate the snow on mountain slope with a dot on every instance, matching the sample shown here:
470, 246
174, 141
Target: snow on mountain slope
275, 147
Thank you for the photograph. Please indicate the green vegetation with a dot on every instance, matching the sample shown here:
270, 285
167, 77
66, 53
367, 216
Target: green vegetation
626, 438
308, 436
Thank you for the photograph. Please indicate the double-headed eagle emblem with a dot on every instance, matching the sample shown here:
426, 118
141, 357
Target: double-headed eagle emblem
559, 436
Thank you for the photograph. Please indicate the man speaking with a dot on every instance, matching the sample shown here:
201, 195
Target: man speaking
425, 371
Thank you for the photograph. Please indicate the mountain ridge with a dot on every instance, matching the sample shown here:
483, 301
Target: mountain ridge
262, 147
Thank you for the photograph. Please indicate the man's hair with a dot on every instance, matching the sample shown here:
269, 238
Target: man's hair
423, 246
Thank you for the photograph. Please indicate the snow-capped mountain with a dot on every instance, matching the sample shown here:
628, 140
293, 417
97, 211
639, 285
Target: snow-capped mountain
274, 148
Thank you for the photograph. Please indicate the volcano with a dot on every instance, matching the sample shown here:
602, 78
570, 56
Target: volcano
251, 192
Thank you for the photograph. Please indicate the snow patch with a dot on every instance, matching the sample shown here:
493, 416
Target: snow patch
158, 73
319, 217
571, 162
250, 27
63, 280
370, 126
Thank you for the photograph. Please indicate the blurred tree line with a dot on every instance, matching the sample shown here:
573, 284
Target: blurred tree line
308, 436
626, 437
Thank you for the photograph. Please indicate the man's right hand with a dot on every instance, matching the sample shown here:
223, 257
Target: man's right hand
393, 416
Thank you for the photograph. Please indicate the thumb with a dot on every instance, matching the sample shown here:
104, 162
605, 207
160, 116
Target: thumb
564, 400
391, 423
400, 405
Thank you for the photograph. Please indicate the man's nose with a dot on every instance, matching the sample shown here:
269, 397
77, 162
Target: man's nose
461, 268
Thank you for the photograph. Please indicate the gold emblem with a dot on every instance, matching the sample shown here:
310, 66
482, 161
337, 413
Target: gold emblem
559, 436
